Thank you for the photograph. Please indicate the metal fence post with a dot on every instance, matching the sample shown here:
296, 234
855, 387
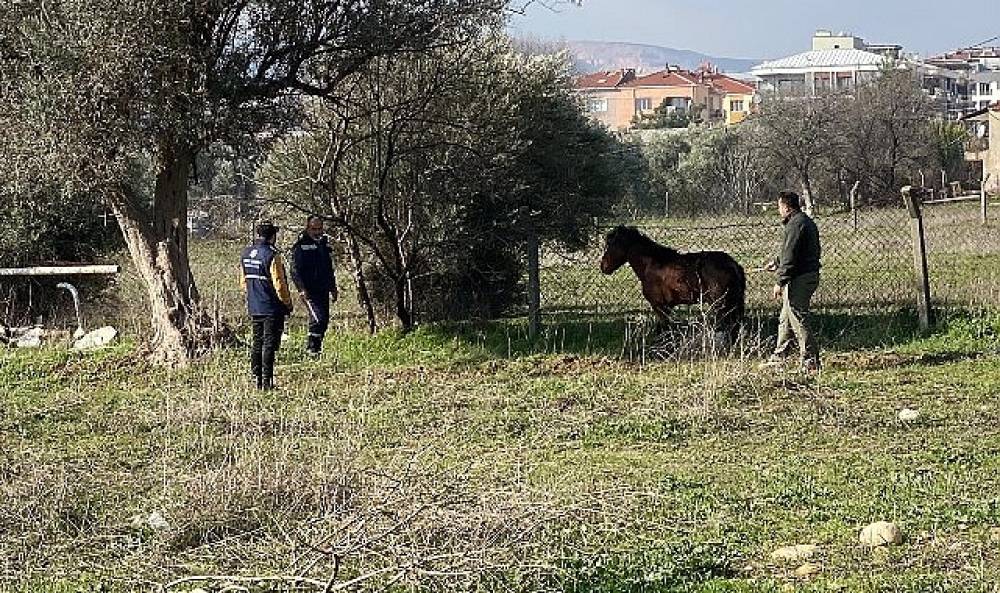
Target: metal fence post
854, 203
982, 198
913, 202
534, 287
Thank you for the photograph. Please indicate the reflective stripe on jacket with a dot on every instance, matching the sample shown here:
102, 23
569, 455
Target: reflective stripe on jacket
264, 281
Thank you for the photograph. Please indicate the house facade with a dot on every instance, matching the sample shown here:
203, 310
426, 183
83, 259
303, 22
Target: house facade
985, 146
738, 97
984, 89
617, 98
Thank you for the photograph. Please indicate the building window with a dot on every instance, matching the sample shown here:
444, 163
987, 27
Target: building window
597, 105
676, 103
823, 82
736, 105
984, 88
643, 104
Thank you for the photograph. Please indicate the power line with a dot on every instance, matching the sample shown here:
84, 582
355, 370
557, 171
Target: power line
982, 43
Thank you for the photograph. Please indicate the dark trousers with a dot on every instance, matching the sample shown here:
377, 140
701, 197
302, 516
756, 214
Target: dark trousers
267, 332
318, 311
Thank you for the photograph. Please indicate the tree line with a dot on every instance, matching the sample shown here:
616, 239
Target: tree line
870, 142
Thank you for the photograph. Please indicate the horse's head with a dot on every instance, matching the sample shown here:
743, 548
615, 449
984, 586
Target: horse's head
616, 248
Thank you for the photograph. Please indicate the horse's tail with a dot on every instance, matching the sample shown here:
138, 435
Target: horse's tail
736, 300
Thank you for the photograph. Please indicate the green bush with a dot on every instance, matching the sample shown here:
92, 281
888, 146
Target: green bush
48, 226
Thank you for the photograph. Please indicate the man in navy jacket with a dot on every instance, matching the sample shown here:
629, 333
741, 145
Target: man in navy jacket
262, 274
314, 277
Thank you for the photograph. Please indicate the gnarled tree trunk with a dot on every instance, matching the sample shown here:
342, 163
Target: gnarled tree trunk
157, 241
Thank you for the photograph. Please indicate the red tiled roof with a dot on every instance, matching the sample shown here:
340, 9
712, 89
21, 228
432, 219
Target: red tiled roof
604, 80
666, 78
730, 85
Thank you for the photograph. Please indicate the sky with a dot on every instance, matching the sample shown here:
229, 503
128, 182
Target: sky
766, 28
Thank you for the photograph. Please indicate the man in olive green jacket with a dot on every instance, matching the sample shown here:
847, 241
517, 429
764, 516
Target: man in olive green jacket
797, 268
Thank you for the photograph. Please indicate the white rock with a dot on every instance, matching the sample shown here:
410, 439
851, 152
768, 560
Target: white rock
908, 415
807, 570
79, 333
799, 552
157, 521
154, 520
881, 533
30, 339
96, 339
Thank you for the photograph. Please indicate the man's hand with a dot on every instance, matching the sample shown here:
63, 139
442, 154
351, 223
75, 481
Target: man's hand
777, 292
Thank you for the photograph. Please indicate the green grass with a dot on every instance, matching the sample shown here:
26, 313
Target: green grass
594, 458
579, 461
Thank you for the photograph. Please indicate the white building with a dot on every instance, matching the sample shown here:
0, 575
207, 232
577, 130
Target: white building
841, 62
984, 89
819, 70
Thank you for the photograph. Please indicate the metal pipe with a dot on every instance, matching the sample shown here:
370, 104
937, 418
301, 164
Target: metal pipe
60, 270
76, 304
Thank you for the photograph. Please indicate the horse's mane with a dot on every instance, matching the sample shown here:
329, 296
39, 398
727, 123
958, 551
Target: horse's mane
631, 236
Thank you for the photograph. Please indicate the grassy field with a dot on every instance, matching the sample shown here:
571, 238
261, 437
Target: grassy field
467, 458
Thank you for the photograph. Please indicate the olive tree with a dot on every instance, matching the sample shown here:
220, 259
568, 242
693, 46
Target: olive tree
438, 167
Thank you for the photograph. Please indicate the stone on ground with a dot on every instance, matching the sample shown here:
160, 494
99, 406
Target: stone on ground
881, 533
96, 339
31, 338
798, 552
807, 570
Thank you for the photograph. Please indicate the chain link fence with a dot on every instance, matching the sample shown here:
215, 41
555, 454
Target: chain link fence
868, 260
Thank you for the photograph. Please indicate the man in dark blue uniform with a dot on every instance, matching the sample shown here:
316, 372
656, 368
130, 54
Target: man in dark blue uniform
314, 277
268, 301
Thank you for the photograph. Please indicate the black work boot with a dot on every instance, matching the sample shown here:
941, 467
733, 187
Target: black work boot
313, 345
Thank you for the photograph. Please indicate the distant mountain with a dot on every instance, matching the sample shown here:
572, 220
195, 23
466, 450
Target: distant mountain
594, 56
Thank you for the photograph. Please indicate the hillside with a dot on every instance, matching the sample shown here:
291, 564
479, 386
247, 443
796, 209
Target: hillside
591, 56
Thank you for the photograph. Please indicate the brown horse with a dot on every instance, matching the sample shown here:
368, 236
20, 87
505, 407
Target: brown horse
669, 278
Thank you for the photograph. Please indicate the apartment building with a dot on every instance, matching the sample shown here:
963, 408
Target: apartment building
618, 98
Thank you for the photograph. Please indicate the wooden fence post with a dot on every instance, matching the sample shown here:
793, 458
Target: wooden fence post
534, 287
912, 198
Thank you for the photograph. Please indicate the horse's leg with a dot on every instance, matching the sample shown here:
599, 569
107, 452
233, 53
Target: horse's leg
662, 314
717, 314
